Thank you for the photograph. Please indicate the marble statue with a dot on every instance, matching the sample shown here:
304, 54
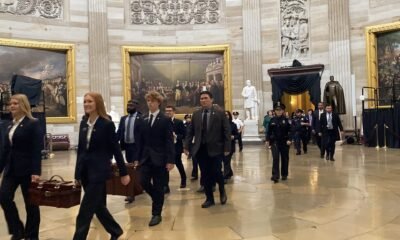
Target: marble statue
250, 100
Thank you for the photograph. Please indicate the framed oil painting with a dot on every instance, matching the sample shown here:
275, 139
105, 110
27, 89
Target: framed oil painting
179, 74
383, 61
53, 63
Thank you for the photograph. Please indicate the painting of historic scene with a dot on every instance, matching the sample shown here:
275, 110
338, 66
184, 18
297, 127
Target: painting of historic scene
46, 65
294, 25
388, 54
178, 77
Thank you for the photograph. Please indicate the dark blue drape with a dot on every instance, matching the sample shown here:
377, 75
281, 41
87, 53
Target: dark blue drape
376, 119
31, 87
296, 84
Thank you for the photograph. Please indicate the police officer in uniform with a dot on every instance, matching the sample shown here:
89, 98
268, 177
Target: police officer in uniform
300, 131
278, 137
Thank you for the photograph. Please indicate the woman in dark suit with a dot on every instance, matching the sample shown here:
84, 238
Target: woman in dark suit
97, 145
21, 162
228, 172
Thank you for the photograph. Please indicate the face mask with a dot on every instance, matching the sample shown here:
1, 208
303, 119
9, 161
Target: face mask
131, 110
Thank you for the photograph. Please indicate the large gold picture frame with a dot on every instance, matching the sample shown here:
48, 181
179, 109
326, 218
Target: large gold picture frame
377, 56
58, 86
130, 51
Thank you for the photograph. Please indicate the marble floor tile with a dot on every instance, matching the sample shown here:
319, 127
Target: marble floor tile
354, 198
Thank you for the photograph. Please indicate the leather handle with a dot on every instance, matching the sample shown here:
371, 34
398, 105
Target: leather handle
54, 176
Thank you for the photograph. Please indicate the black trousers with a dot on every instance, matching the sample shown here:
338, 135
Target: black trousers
195, 170
228, 172
301, 138
130, 150
153, 180
240, 142
211, 171
280, 151
15, 226
180, 167
320, 144
94, 202
329, 139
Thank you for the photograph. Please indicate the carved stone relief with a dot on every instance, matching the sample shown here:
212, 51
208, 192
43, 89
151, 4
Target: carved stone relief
294, 23
174, 12
37, 8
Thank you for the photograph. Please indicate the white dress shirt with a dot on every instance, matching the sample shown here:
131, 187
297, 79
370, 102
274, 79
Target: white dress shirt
89, 132
155, 114
14, 127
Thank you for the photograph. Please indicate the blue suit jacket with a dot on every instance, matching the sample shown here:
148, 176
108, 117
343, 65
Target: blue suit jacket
22, 157
94, 163
136, 131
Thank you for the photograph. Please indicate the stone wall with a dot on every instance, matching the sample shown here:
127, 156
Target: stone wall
76, 21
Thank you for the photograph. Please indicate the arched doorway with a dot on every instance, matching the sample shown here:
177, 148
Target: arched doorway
297, 101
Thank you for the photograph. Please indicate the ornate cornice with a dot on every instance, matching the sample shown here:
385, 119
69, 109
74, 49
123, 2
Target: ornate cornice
174, 12
38, 8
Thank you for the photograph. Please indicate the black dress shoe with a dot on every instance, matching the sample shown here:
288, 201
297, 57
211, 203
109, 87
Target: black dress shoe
207, 204
129, 199
223, 198
201, 189
115, 237
18, 236
155, 220
322, 156
183, 185
298, 153
284, 178
332, 159
193, 178
275, 179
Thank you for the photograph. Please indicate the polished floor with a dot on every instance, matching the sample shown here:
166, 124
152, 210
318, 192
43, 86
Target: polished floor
356, 197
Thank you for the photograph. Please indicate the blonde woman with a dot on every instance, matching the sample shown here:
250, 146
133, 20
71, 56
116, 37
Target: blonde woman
21, 162
97, 145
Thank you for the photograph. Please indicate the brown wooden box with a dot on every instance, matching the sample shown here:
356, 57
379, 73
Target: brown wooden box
115, 187
55, 193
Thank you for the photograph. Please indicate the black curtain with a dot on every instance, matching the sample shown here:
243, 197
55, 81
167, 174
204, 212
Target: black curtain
296, 84
31, 87
374, 119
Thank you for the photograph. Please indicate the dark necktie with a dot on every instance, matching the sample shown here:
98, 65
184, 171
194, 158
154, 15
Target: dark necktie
151, 120
128, 138
204, 128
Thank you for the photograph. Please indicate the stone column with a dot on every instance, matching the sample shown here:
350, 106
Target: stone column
339, 53
98, 49
252, 52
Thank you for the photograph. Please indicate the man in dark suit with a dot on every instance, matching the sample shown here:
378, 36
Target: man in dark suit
330, 125
128, 134
212, 140
156, 153
316, 127
179, 135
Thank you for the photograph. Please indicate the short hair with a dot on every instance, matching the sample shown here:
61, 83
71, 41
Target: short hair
133, 101
100, 107
187, 116
206, 92
328, 105
24, 104
153, 95
172, 107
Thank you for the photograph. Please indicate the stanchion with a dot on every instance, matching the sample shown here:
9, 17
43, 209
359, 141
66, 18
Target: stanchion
377, 137
384, 135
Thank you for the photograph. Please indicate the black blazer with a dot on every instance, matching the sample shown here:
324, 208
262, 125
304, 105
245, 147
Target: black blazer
180, 132
218, 132
316, 124
121, 130
156, 143
337, 124
94, 164
22, 157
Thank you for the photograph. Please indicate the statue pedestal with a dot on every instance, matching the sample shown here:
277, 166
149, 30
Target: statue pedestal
250, 131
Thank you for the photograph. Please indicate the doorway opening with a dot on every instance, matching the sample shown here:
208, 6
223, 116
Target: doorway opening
297, 101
